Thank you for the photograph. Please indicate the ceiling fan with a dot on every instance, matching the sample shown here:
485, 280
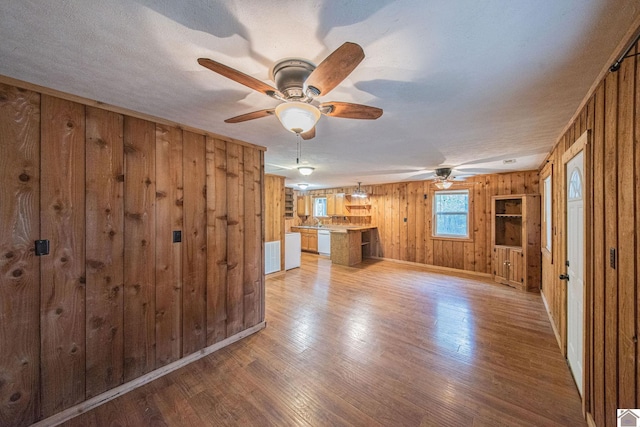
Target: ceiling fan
299, 82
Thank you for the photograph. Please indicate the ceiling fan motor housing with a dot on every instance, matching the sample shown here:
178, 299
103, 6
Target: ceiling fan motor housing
443, 173
290, 75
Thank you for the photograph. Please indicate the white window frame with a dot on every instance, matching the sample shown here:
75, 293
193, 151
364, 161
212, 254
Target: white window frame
435, 233
548, 212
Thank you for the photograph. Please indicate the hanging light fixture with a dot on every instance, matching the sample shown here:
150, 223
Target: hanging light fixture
297, 117
359, 192
305, 169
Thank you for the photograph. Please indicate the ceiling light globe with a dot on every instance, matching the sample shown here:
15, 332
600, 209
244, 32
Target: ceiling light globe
297, 117
303, 186
305, 170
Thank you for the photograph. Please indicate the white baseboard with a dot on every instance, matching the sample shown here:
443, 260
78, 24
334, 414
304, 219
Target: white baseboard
109, 395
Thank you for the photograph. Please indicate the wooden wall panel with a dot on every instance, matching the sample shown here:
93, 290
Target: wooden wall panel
611, 114
274, 208
611, 232
627, 255
104, 250
19, 267
194, 329
139, 247
169, 218
62, 273
117, 298
216, 240
235, 234
253, 270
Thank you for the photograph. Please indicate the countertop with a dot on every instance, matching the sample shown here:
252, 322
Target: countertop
337, 228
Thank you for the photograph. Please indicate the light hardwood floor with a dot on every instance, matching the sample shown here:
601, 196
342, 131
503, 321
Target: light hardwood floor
379, 344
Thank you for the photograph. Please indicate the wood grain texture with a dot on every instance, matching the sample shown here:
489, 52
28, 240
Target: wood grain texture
627, 253
19, 268
104, 250
611, 242
139, 247
253, 271
216, 165
168, 257
235, 239
385, 344
62, 273
194, 299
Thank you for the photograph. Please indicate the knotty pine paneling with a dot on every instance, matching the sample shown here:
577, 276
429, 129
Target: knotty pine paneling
104, 192
19, 268
611, 115
235, 233
116, 297
216, 240
169, 218
194, 327
139, 247
62, 273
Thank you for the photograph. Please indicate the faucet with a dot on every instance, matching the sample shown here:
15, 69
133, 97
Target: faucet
318, 222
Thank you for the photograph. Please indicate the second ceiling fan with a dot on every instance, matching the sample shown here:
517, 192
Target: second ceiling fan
299, 83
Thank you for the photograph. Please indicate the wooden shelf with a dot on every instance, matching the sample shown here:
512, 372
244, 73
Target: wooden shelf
509, 215
357, 206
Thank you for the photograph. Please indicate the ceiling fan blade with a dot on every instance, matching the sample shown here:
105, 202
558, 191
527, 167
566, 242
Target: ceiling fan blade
310, 134
350, 111
251, 116
334, 69
238, 76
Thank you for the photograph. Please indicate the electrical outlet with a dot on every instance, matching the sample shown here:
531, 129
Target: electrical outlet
177, 236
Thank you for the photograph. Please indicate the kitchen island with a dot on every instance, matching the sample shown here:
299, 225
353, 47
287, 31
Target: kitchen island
350, 244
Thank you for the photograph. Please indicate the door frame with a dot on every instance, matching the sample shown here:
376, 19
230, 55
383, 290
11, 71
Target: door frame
583, 143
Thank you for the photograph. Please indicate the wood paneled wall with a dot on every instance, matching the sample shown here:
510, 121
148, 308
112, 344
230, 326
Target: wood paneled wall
403, 214
274, 212
116, 298
611, 115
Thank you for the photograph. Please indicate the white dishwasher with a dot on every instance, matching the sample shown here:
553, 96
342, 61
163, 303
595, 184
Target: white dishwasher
324, 242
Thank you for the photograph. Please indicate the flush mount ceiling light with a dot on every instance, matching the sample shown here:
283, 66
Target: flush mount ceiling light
303, 186
305, 170
297, 117
443, 185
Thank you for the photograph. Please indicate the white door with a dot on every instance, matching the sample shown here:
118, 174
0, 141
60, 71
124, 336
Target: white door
575, 265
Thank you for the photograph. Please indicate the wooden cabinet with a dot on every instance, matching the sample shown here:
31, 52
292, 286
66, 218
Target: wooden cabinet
305, 205
335, 204
308, 239
288, 202
515, 235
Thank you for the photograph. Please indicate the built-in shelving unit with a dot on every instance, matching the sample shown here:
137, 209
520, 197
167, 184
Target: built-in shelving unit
288, 202
515, 234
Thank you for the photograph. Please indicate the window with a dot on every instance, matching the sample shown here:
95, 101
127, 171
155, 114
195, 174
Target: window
547, 197
320, 206
451, 214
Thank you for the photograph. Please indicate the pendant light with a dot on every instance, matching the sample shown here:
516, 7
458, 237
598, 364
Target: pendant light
359, 192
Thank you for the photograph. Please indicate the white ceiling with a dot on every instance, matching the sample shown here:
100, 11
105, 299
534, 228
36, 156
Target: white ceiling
462, 83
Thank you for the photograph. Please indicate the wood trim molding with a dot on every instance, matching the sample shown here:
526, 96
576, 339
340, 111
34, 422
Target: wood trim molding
551, 320
109, 395
439, 269
98, 104
580, 144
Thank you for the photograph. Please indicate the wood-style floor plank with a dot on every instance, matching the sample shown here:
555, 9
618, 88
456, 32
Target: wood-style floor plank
378, 344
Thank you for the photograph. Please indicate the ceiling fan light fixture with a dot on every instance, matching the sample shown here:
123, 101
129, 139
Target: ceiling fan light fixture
297, 117
443, 185
305, 170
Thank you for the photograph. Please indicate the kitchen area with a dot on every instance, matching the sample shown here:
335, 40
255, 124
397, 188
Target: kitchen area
334, 223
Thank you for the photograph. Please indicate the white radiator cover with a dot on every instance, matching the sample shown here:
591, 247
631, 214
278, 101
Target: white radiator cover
272, 257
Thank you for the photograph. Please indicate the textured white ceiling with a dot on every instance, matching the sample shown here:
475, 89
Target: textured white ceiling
462, 83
